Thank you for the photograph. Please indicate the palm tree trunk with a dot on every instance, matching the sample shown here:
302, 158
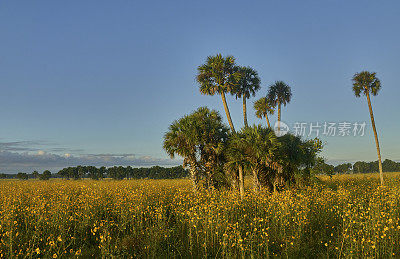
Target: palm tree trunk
376, 139
235, 182
241, 182
228, 114
266, 117
245, 111
279, 116
194, 176
256, 182
195, 181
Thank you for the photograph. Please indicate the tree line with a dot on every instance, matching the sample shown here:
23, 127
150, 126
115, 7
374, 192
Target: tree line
368, 167
46, 175
116, 172
359, 167
120, 172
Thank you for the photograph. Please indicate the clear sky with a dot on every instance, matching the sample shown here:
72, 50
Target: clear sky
99, 82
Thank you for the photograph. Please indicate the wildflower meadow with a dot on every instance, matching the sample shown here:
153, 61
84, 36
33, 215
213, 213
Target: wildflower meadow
346, 216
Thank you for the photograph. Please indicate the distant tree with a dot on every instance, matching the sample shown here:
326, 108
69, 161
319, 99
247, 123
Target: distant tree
219, 75
120, 172
248, 85
367, 83
361, 167
102, 172
129, 172
279, 94
81, 172
390, 166
93, 172
263, 107
45, 175
62, 173
35, 174
343, 168
22, 176
321, 167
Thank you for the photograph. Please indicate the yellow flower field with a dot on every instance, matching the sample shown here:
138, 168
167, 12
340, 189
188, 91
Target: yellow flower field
347, 216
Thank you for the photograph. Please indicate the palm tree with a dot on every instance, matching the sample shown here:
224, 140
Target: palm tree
248, 85
180, 140
263, 107
236, 159
292, 156
212, 136
261, 145
199, 138
279, 93
219, 75
366, 82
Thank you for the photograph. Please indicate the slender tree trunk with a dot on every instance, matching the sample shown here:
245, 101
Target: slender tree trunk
245, 111
266, 117
376, 139
194, 176
277, 181
228, 114
241, 182
279, 116
256, 182
277, 178
235, 182
208, 178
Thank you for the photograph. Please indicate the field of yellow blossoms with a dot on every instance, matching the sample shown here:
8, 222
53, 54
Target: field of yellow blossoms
347, 216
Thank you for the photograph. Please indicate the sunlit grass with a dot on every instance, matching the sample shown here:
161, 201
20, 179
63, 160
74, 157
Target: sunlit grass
346, 216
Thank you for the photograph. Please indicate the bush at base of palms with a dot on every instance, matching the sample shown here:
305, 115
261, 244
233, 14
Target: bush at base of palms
200, 139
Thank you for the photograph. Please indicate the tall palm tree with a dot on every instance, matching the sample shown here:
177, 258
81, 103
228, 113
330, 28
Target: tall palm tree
219, 75
279, 93
263, 107
367, 83
248, 85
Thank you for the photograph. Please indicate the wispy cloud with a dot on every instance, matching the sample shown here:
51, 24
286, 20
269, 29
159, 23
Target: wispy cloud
20, 145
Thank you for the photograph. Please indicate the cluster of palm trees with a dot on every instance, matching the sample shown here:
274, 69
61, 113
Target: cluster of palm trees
217, 155
220, 156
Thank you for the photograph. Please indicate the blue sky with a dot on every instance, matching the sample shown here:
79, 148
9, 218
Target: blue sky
101, 81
